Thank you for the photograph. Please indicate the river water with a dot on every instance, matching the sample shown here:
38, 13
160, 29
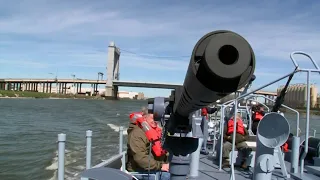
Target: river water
29, 128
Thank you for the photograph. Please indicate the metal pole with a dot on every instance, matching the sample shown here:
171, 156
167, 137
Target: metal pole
61, 151
123, 161
306, 142
120, 139
295, 154
214, 136
195, 157
221, 136
232, 176
88, 154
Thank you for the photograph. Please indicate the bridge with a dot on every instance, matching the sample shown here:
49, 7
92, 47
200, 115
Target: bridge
33, 84
111, 84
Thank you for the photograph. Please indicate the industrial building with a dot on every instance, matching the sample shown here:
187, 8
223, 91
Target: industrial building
131, 95
297, 95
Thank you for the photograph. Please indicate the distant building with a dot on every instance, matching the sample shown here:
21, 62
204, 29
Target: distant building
297, 95
129, 95
140, 96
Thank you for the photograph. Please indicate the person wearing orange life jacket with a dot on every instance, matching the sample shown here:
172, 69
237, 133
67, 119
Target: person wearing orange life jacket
240, 144
205, 111
285, 146
258, 113
152, 131
138, 148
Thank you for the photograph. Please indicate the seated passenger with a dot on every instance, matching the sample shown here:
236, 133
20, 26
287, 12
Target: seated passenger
256, 117
240, 144
139, 159
285, 146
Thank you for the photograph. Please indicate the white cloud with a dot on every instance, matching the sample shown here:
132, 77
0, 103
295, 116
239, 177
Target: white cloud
154, 63
79, 34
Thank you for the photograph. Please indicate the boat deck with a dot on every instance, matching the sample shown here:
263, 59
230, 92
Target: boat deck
209, 170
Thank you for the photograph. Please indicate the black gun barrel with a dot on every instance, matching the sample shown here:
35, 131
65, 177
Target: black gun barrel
222, 62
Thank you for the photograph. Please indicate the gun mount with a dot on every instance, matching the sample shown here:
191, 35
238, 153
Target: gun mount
221, 63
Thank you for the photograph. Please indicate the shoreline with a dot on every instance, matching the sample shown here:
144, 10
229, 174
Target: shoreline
5, 94
6, 97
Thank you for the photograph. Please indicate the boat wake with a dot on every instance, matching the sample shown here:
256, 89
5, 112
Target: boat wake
116, 128
74, 160
71, 169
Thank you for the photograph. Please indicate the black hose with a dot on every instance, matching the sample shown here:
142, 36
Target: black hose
280, 98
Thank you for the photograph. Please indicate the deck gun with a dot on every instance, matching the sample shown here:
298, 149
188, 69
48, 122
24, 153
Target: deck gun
221, 63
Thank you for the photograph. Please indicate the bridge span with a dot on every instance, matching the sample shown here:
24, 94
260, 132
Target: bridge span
111, 84
33, 84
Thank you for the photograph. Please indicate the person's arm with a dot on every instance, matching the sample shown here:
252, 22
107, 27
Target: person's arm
246, 134
263, 113
225, 135
140, 153
212, 110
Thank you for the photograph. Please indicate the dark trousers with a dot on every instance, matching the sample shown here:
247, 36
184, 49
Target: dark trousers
255, 127
242, 147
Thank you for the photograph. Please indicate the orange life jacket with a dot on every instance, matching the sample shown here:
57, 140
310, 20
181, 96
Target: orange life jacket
153, 135
240, 127
134, 116
257, 116
285, 147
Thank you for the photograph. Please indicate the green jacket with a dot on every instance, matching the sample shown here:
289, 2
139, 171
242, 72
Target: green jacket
138, 152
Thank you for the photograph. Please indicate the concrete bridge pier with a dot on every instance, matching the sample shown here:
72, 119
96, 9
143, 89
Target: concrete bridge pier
65, 88
112, 71
19, 86
2, 86
59, 88
77, 85
80, 87
50, 88
94, 89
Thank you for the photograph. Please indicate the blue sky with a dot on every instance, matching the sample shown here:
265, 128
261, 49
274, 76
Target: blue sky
38, 37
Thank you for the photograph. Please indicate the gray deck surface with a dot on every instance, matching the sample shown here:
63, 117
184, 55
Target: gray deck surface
209, 170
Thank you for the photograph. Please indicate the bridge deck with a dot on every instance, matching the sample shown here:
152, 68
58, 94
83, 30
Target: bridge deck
116, 83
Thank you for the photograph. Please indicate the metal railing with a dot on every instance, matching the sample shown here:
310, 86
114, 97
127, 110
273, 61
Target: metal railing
235, 101
297, 69
61, 154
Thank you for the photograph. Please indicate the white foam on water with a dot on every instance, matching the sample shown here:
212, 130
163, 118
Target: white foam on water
68, 160
74, 174
116, 128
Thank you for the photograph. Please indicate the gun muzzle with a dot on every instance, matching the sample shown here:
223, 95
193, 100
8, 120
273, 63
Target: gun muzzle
222, 62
